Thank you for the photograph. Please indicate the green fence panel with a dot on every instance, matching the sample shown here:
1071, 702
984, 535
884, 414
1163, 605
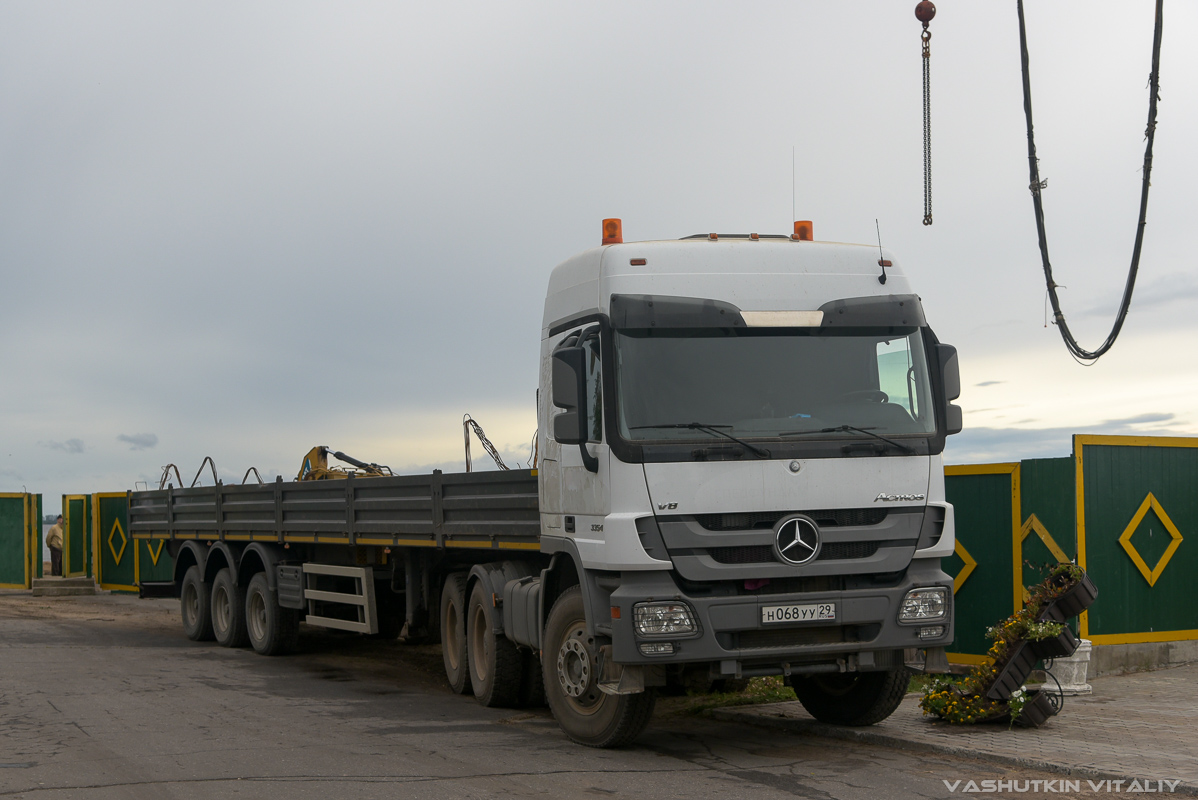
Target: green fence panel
116, 552
77, 529
1138, 505
1049, 513
985, 503
154, 563
14, 541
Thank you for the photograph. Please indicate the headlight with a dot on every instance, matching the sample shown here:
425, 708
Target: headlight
924, 605
658, 619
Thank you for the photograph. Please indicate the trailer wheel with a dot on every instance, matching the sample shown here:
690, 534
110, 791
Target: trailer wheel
453, 633
272, 629
228, 611
852, 698
570, 663
195, 606
494, 659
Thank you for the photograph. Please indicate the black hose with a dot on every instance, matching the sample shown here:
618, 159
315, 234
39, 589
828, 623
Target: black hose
1076, 350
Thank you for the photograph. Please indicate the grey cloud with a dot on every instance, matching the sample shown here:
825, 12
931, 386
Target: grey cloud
1140, 419
981, 445
138, 441
1165, 289
989, 383
69, 446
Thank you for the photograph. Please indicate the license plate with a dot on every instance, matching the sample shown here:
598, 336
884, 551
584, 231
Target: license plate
813, 612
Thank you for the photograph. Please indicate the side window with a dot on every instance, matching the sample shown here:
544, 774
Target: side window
896, 374
594, 392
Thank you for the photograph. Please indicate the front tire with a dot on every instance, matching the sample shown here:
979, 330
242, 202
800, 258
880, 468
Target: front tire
272, 629
195, 605
493, 658
852, 698
571, 667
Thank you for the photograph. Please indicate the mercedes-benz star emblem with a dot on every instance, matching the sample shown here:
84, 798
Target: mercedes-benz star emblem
796, 540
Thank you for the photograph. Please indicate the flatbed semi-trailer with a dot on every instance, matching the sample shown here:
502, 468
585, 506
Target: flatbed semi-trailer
740, 473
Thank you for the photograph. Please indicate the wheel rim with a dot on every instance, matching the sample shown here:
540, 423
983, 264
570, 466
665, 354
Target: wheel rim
452, 627
478, 644
576, 665
256, 616
191, 605
220, 609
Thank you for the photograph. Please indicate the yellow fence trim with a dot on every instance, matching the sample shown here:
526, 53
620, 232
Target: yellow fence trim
968, 658
1143, 638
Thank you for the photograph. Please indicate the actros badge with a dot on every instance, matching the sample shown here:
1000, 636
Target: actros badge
797, 540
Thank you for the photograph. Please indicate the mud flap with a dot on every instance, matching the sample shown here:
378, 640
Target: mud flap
619, 678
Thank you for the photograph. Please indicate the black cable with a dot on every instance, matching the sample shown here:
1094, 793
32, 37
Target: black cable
1076, 350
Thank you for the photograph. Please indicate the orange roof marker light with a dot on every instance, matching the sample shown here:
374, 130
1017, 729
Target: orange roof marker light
804, 231
613, 231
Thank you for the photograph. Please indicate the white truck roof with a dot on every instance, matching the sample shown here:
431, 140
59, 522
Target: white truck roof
774, 274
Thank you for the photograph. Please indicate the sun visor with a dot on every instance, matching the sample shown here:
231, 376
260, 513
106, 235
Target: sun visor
639, 311
879, 311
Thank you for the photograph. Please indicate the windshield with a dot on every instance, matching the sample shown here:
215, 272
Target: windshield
771, 382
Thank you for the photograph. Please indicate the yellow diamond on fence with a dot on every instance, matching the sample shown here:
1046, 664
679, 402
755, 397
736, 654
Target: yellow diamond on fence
116, 529
967, 570
1150, 575
1033, 523
155, 554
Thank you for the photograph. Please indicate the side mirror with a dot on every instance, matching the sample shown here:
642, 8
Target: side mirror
569, 388
950, 372
950, 379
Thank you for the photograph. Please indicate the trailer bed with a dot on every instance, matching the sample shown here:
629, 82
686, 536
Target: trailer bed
479, 510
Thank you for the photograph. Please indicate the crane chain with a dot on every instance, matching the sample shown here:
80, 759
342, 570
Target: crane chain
927, 124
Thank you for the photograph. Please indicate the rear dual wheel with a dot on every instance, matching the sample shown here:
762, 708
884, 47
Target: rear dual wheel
272, 630
195, 605
228, 611
852, 698
495, 661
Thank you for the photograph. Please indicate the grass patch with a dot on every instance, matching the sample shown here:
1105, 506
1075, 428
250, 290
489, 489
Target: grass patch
773, 689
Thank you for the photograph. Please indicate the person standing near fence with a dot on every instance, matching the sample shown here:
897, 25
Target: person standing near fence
54, 542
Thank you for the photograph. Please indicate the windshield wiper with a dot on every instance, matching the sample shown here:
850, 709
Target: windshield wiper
699, 426
845, 429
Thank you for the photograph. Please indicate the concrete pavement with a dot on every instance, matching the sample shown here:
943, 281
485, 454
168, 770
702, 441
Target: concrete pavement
1142, 726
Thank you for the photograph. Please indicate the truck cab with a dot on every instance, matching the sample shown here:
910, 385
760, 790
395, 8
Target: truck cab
741, 447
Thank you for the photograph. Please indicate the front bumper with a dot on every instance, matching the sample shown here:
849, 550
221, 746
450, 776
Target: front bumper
732, 637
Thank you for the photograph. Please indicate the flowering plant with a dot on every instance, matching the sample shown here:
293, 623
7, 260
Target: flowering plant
962, 699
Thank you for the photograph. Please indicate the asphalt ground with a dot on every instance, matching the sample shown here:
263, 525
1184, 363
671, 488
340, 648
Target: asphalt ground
103, 697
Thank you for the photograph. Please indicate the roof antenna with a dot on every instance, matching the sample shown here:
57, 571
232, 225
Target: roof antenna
882, 262
792, 183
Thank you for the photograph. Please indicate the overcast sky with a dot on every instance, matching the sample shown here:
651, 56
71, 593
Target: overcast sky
244, 229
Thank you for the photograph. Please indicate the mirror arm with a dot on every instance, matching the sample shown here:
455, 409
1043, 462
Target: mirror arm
589, 461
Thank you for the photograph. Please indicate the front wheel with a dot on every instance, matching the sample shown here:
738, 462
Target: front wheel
571, 666
852, 698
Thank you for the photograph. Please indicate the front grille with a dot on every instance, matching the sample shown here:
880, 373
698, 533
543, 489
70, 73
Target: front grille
764, 553
749, 554
843, 550
799, 637
836, 518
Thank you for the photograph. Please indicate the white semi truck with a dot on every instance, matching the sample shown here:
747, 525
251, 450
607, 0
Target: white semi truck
740, 474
